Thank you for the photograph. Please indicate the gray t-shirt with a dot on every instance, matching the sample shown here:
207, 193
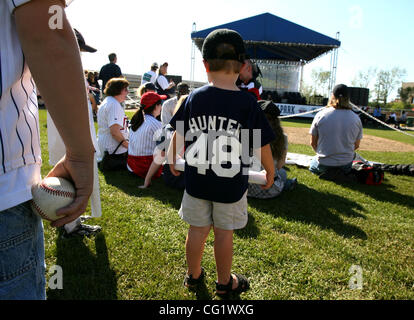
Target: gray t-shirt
337, 132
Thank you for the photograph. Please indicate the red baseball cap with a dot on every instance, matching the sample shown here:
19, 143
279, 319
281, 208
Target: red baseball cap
148, 99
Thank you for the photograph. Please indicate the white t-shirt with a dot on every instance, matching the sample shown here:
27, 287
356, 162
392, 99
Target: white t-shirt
143, 141
111, 112
149, 76
56, 146
163, 82
20, 154
251, 85
167, 110
337, 132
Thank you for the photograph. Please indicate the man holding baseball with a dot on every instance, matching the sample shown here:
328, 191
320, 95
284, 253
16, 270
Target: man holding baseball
28, 41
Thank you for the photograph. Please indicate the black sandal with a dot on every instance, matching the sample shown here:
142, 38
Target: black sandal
229, 292
193, 284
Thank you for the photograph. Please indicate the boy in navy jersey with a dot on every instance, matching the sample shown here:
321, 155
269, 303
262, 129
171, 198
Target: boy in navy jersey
213, 121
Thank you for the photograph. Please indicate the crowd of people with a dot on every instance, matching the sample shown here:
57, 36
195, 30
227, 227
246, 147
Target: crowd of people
169, 120
148, 133
153, 136
392, 119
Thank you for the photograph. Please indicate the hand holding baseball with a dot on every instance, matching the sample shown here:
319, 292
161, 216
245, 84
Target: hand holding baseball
79, 170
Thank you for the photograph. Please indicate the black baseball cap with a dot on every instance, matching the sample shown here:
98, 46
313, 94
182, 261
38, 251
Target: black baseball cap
81, 42
182, 88
341, 90
269, 107
212, 49
150, 86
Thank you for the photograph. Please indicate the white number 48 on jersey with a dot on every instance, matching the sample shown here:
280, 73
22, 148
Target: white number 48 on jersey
196, 155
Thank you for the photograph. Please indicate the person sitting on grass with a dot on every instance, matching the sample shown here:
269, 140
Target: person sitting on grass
141, 139
336, 133
169, 105
279, 148
112, 120
402, 120
147, 87
392, 119
215, 194
162, 145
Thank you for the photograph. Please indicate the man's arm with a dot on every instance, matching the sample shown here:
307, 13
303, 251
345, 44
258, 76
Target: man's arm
266, 160
314, 142
163, 83
118, 72
49, 52
357, 143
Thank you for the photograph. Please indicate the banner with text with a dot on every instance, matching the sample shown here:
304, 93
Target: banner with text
289, 109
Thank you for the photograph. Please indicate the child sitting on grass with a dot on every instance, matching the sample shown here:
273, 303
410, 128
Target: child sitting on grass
159, 157
216, 179
279, 148
141, 138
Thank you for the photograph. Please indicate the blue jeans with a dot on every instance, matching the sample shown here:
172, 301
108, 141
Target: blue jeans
317, 168
22, 255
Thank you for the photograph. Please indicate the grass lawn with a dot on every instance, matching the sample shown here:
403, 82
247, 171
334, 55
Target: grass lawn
300, 245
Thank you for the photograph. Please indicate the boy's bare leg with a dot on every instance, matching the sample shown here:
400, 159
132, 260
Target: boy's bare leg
194, 247
223, 253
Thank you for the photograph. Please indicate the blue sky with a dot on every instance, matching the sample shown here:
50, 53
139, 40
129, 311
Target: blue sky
372, 33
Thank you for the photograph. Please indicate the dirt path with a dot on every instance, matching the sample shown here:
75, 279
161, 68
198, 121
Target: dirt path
368, 143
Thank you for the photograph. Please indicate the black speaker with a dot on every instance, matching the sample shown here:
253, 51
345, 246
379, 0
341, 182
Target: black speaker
365, 97
354, 95
359, 96
176, 79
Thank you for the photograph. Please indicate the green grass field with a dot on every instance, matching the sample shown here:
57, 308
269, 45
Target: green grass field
300, 245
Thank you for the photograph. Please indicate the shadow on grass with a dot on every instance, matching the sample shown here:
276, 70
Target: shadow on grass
86, 276
313, 207
383, 192
129, 183
202, 293
250, 230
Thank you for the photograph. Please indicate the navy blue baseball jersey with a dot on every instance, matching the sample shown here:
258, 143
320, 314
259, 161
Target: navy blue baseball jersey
220, 128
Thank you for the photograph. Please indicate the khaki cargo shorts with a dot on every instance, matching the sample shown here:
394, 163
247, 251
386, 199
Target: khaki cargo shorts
201, 213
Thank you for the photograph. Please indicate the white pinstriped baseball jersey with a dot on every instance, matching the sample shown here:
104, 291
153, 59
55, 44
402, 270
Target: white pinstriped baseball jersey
111, 112
20, 155
143, 141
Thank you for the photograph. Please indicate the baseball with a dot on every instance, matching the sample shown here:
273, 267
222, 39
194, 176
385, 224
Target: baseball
50, 195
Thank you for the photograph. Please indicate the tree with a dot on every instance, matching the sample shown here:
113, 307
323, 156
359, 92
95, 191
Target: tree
306, 91
396, 106
387, 81
406, 95
320, 81
364, 78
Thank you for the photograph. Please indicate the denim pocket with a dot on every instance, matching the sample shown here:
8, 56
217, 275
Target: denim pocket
17, 241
